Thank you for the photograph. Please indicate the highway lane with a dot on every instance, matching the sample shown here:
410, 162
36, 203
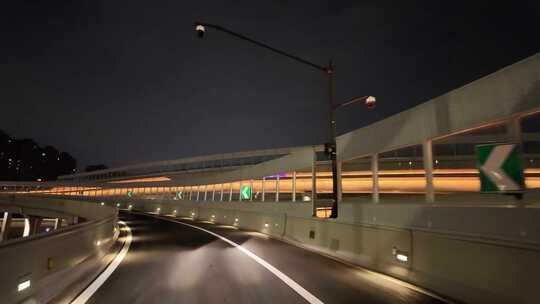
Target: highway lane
172, 263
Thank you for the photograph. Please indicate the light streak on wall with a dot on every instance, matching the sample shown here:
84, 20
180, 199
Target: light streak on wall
390, 181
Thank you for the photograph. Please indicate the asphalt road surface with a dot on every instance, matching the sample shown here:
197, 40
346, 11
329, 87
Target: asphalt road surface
173, 263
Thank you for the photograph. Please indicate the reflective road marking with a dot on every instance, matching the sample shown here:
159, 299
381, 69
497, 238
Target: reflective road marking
92, 288
286, 279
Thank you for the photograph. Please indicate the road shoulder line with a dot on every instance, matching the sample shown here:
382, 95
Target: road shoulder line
94, 286
309, 297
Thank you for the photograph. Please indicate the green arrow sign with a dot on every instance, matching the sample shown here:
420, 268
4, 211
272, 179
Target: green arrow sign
245, 193
130, 193
500, 168
179, 195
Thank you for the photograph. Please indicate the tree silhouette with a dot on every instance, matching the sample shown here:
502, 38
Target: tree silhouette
25, 160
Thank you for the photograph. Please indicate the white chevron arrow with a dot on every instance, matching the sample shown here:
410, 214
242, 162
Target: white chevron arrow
245, 193
492, 168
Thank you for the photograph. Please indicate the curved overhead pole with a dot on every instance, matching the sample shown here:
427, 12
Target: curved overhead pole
331, 146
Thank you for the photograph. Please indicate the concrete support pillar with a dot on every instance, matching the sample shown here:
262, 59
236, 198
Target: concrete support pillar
314, 183
427, 148
26, 231
213, 192
205, 192
251, 187
230, 192
35, 224
6, 225
340, 184
262, 188
190, 192
240, 192
198, 192
221, 196
294, 186
375, 178
57, 223
513, 129
277, 188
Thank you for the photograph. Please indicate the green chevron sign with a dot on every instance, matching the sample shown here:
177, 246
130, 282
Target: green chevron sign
500, 168
130, 193
245, 193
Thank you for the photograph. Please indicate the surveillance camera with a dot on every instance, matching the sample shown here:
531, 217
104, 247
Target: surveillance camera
370, 102
200, 30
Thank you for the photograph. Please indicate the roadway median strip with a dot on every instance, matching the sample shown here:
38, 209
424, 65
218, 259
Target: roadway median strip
309, 297
94, 286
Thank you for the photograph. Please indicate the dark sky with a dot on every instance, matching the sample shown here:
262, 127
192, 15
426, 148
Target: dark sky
120, 82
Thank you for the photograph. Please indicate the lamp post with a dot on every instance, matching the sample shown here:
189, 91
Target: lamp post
330, 148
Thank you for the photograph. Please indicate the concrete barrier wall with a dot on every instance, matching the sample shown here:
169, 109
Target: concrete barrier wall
473, 270
52, 206
66, 258
470, 266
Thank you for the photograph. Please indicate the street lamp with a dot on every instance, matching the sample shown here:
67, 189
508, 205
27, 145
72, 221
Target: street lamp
330, 148
200, 30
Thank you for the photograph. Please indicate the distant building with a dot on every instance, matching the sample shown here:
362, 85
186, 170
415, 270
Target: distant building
24, 160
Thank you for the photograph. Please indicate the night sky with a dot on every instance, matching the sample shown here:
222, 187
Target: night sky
121, 82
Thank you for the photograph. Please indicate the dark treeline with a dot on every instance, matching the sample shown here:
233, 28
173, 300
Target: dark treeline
25, 160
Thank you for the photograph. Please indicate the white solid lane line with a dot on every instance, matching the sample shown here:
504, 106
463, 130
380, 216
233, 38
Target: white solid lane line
309, 297
92, 288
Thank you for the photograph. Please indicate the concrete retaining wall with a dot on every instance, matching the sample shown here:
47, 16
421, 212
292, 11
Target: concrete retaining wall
66, 258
